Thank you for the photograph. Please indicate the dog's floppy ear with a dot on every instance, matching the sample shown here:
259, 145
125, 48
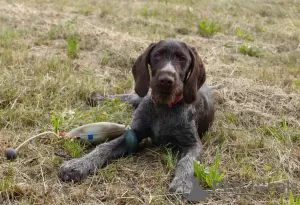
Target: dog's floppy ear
141, 73
195, 77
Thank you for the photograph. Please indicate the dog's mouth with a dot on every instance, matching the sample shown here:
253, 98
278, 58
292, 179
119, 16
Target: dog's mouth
165, 95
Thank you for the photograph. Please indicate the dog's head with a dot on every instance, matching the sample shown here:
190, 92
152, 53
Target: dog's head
175, 69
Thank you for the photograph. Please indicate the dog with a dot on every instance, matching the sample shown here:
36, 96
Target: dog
177, 112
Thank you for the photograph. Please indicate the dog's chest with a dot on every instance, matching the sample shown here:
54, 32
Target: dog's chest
173, 125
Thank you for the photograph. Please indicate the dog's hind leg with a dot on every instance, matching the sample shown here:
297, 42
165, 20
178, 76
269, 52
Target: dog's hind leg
132, 99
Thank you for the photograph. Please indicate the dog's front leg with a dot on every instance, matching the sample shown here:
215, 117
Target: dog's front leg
182, 182
78, 169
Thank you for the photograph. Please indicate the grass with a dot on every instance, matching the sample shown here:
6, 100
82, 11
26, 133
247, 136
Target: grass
249, 50
54, 54
72, 47
73, 148
244, 35
293, 200
170, 159
86, 11
210, 176
208, 28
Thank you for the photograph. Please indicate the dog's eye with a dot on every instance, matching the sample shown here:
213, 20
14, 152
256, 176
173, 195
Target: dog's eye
181, 59
157, 55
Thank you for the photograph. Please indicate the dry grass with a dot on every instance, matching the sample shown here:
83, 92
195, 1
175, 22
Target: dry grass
258, 112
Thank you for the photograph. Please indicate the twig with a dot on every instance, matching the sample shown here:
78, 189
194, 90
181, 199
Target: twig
44, 133
44, 184
15, 101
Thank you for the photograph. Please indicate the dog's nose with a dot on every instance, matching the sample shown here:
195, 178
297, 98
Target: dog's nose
166, 80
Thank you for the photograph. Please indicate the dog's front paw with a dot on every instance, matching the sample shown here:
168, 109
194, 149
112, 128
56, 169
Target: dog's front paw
182, 186
75, 170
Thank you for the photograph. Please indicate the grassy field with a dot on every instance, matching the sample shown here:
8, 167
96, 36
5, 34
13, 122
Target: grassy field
54, 54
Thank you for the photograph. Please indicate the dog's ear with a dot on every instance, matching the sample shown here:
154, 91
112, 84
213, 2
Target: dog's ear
194, 78
141, 73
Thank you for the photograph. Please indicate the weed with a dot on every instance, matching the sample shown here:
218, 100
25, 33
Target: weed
74, 148
207, 28
57, 161
292, 200
297, 83
56, 121
211, 176
7, 37
248, 50
72, 46
244, 35
259, 28
282, 132
86, 11
8, 188
231, 117
109, 173
146, 12
170, 159
105, 59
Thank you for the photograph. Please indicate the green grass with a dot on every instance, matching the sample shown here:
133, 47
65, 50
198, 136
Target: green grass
293, 200
242, 34
72, 47
74, 148
208, 28
170, 159
86, 11
148, 12
56, 120
210, 176
282, 132
249, 50
8, 186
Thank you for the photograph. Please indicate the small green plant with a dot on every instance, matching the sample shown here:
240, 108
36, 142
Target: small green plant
56, 121
8, 186
297, 83
244, 35
259, 28
72, 47
86, 11
6, 37
293, 200
73, 148
105, 59
282, 132
211, 176
170, 159
231, 117
109, 173
248, 50
146, 12
207, 29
